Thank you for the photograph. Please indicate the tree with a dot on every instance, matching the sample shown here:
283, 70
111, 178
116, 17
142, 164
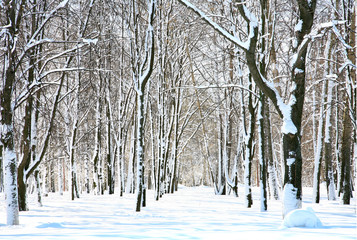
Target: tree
13, 12
290, 113
142, 68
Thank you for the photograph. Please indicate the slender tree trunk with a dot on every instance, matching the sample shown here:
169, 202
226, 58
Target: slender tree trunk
132, 159
38, 187
330, 181
249, 148
262, 155
319, 148
97, 145
346, 155
140, 149
1, 170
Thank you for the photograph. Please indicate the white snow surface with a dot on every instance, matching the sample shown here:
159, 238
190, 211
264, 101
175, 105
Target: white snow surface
190, 213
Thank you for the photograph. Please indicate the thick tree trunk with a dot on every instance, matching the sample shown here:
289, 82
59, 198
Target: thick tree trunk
7, 142
13, 17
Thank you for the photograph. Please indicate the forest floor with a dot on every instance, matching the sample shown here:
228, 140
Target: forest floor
190, 213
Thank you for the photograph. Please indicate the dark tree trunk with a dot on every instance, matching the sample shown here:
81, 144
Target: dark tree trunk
250, 146
140, 148
346, 155
263, 156
1, 170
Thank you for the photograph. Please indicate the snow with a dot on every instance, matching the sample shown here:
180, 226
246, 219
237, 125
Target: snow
298, 70
90, 41
190, 213
288, 126
289, 199
298, 26
244, 45
302, 218
290, 161
11, 198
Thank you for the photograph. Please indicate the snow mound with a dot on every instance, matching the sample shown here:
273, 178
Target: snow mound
302, 218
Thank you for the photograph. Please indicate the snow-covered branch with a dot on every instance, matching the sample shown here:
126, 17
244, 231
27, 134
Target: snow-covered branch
219, 29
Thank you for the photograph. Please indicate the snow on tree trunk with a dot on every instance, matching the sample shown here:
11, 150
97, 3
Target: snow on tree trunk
272, 170
140, 149
97, 143
318, 152
13, 17
60, 175
249, 146
130, 176
141, 75
330, 182
174, 156
10, 166
38, 187
110, 154
1, 170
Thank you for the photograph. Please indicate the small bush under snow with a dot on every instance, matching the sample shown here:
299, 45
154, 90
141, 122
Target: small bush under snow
302, 218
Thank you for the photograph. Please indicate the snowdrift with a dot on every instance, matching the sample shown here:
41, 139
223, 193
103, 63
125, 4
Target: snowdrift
302, 218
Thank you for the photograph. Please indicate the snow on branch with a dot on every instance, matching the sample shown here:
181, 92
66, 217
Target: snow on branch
347, 63
48, 17
317, 32
219, 86
149, 49
284, 110
219, 29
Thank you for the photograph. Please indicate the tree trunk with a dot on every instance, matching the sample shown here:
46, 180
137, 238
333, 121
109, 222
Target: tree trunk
346, 155
1, 169
249, 148
318, 151
140, 148
38, 187
262, 155
7, 142
330, 182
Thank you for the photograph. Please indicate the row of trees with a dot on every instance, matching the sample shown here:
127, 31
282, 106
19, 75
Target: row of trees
145, 94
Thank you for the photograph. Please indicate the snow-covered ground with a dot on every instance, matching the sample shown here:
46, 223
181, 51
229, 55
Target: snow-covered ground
191, 213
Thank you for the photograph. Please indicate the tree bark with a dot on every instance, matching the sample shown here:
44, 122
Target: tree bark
346, 155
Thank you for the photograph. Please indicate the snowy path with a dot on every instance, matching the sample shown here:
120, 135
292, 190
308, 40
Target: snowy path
191, 213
